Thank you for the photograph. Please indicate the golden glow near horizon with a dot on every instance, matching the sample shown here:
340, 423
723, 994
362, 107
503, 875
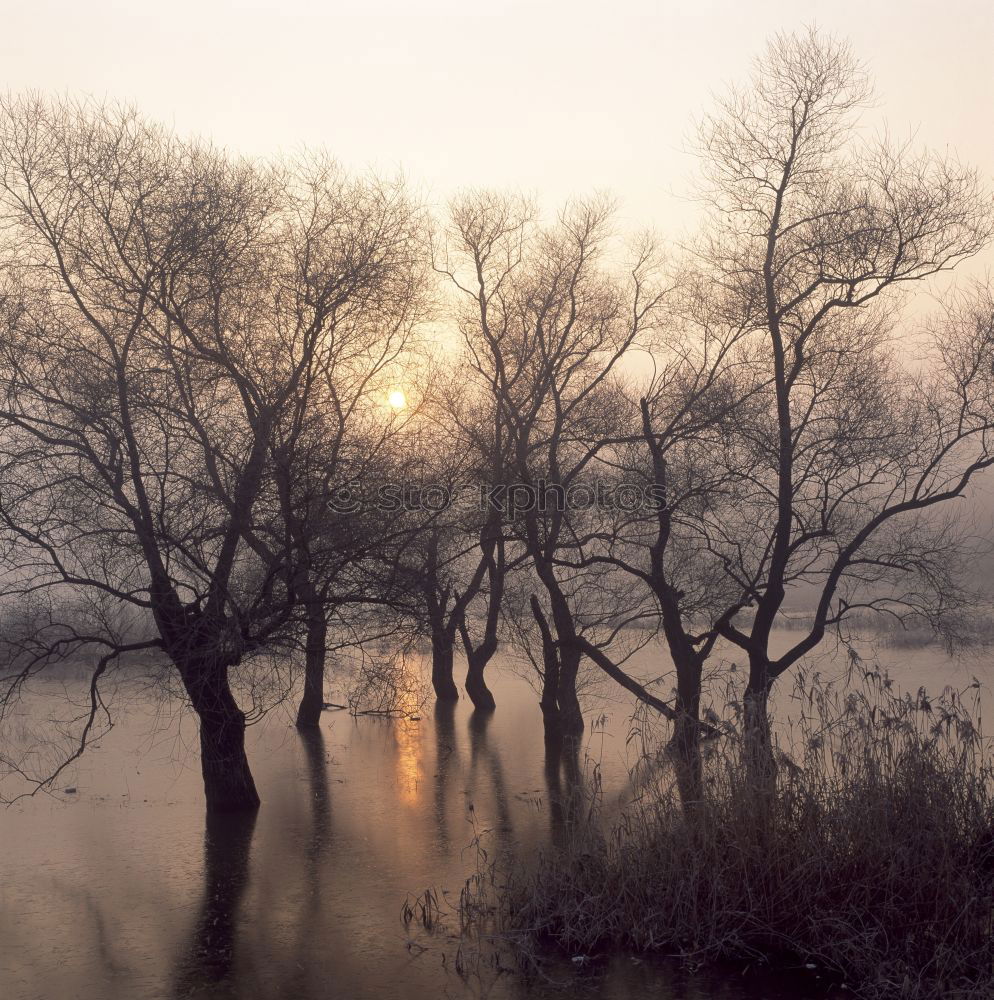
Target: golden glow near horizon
397, 399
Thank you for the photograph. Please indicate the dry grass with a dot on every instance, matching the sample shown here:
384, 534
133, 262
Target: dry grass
875, 861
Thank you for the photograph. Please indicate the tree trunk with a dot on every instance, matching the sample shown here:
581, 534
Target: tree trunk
570, 714
312, 700
442, 652
228, 782
550, 673
758, 740
476, 686
477, 658
550, 689
686, 742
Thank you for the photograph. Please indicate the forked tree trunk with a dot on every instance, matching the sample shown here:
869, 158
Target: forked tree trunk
477, 657
442, 653
228, 781
312, 700
570, 721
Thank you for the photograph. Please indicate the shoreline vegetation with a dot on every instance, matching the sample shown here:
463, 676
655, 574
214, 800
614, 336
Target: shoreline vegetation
871, 864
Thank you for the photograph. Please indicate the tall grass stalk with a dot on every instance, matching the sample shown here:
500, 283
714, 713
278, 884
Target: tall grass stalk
873, 860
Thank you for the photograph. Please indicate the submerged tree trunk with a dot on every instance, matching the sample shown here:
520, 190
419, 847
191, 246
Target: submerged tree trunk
442, 653
549, 702
561, 665
312, 700
476, 685
570, 713
477, 658
550, 691
570, 716
228, 781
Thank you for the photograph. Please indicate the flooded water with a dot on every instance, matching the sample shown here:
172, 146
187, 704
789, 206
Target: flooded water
121, 890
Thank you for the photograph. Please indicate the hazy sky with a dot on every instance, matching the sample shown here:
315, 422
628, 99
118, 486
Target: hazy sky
553, 98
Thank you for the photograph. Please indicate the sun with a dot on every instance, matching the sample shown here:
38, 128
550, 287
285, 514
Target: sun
397, 399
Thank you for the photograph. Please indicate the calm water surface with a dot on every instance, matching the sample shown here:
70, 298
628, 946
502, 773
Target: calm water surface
121, 890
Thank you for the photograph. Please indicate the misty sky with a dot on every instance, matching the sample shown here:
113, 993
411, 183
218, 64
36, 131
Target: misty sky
553, 98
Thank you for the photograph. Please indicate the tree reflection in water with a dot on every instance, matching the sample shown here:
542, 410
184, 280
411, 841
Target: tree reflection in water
446, 765
564, 781
206, 967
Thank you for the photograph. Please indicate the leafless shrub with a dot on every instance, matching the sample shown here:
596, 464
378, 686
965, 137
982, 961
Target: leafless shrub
387, 684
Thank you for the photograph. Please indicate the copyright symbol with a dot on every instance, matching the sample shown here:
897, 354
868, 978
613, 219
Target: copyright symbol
345, 498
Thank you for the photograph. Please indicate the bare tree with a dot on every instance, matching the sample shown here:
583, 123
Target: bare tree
472, 418
359, 251
840, 444
546, 329
165, 310
453, 563
660, 463
790, 437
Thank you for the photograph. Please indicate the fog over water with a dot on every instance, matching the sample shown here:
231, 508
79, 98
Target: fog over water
117, 890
